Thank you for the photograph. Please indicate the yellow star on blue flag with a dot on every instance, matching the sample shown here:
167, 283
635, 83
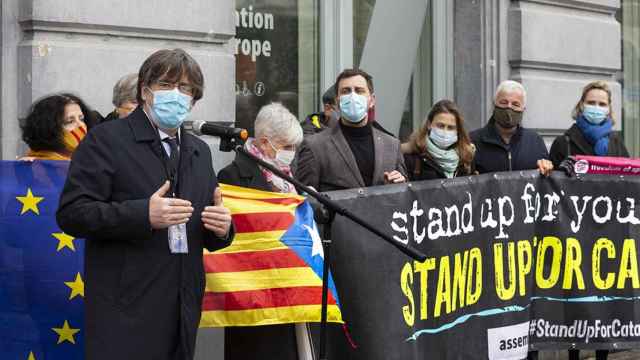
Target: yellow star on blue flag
29, 202
51, 282
66, 333
64, 240
76, 286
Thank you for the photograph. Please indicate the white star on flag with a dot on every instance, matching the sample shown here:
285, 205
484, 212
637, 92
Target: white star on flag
316, 249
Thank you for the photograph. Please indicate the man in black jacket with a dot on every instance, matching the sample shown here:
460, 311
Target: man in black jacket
503, 144
144, 195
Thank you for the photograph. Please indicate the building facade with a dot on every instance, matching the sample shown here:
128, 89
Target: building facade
256, 51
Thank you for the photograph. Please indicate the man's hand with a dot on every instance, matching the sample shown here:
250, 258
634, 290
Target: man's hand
164, 212
393, 177
545, 167
217, 218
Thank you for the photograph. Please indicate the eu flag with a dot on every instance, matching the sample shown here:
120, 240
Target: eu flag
41, 276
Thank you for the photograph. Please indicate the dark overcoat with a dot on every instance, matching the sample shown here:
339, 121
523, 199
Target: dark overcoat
141, 301
493, 154
244, 172
424, 167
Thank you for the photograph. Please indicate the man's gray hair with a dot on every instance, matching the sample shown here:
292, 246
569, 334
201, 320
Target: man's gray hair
277, 123
126, 89
509, 86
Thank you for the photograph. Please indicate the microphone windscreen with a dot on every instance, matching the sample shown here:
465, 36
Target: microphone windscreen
197, 126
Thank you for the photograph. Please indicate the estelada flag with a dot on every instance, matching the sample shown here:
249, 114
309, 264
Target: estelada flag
272, 272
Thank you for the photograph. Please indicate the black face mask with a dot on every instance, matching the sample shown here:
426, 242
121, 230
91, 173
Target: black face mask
507, 118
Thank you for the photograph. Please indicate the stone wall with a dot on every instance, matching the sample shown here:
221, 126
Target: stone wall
85, 46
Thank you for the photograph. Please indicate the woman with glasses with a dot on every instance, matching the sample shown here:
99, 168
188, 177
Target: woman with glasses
277, 134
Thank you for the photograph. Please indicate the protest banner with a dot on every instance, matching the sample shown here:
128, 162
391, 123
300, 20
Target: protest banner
515, 262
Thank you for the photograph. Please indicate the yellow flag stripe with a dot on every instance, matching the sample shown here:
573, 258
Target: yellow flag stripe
245, 206
255, 241
268, 316
242, 192
262, 279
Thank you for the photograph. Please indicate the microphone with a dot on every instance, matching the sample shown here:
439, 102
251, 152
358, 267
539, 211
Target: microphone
201, 127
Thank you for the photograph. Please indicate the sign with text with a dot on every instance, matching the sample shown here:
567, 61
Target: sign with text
266, 57
516, 262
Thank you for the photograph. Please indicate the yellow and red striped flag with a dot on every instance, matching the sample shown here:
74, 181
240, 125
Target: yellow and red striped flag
272, 273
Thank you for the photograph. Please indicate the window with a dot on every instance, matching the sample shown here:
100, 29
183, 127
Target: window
418, 100
276, 57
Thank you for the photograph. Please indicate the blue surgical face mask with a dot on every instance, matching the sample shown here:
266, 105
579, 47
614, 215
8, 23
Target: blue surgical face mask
595, 114
170, 108
443, 138
353, 107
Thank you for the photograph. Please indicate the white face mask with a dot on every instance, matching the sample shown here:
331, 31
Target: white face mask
443, 138
283, 157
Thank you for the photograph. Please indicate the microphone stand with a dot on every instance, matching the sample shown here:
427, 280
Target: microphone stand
327, 213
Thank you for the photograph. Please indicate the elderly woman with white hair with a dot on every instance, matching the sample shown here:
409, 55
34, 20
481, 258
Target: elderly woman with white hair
277, 134
503, 144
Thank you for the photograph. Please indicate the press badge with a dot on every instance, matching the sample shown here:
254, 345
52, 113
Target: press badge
178, 239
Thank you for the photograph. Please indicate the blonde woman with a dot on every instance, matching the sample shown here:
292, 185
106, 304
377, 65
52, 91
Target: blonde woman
592, 133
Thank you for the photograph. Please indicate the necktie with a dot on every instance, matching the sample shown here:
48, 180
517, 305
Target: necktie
174, 157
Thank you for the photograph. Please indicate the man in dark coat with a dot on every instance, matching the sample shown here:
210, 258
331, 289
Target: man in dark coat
352, 153
146, 208
503, 144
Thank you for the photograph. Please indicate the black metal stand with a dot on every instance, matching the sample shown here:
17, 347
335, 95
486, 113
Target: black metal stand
329, 209
326, 219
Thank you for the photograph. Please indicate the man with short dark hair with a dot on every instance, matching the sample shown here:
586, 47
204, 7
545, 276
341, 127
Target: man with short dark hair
352, 153
144, 195
330, 114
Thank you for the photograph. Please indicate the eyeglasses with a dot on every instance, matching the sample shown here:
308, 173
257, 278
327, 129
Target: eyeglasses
289, 147
186, 89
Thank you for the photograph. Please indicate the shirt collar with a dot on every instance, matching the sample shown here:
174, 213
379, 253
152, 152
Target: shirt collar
163, 135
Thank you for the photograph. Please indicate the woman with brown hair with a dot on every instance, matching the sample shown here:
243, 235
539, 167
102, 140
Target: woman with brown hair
592, 132
441, 147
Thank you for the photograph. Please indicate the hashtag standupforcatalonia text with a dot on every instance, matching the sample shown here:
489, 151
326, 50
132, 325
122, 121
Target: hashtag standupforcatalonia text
581, 329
